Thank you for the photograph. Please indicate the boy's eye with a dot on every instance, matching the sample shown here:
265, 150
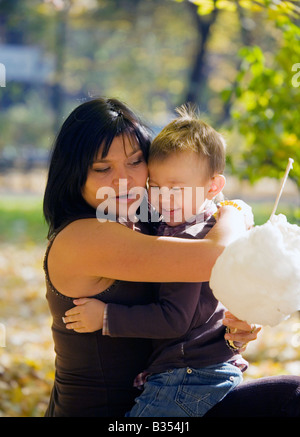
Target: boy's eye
175, 190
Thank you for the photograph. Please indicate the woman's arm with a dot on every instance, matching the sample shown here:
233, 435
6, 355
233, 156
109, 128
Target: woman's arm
110, 250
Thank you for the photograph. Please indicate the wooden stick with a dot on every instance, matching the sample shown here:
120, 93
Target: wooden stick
289, 166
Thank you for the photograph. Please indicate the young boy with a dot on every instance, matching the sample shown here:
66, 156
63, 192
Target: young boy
192, 367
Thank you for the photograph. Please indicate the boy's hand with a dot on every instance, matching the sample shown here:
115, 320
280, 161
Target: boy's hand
87, 316
247, 211
240, 206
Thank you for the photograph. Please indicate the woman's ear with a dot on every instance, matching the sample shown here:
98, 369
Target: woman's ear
217, 184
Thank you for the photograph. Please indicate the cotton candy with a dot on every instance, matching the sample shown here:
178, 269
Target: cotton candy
257, 277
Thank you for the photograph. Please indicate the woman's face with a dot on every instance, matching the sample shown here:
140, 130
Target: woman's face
117, 182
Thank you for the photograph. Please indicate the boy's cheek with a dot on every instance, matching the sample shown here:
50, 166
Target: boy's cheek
154, 200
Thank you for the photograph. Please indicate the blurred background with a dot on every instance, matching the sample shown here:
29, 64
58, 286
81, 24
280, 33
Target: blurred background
239, 61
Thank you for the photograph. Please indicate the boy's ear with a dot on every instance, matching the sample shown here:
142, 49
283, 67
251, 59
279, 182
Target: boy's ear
216, 186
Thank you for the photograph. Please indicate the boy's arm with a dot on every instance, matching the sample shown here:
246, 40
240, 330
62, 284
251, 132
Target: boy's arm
89, 316
170, 317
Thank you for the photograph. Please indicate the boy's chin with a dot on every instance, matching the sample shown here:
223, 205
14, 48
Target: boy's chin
173, 223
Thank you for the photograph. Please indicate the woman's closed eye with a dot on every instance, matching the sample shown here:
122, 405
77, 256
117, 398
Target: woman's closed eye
102, 170
136, 161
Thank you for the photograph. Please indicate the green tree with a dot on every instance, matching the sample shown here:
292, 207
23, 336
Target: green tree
266, 109
264, 98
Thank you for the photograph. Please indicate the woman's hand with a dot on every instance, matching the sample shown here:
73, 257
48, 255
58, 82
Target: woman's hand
86, 316
238, 332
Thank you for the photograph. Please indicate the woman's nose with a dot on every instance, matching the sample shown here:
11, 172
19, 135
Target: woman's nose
120, 177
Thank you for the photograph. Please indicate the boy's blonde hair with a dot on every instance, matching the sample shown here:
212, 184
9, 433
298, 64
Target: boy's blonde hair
188, 133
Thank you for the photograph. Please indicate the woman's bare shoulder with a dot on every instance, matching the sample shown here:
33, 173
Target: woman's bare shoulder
82, 235
79, 229
71, 236
69, 261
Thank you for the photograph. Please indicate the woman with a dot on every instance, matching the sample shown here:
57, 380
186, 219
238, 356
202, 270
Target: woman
101, 144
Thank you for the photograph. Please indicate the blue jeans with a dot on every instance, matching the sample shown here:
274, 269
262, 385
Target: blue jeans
185, 392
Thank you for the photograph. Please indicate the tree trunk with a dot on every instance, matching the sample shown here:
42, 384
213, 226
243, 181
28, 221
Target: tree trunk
247, 40
57, 89
198, 78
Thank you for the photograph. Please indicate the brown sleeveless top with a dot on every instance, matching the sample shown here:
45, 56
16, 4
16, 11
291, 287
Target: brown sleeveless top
94, 374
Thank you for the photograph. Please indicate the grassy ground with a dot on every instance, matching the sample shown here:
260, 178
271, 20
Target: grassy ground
22, 219
27, 360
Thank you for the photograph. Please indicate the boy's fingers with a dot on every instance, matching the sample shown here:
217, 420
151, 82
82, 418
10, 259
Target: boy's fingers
75, 310
70, 319
81, 301
81, 330
75, 325
72, 312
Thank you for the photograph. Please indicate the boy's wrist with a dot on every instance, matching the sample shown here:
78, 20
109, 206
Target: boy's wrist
105, 329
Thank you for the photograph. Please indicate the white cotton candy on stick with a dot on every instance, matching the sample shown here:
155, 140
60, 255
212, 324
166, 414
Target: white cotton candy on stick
257, 277
288, 168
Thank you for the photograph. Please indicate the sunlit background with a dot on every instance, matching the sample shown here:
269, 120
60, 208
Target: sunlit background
239, 61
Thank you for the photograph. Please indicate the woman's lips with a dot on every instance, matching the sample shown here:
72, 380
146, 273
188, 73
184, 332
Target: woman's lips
125, 198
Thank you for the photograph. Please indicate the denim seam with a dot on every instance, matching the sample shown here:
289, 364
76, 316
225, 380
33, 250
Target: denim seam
156, 395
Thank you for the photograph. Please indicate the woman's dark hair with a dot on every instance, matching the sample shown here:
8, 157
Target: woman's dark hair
92, 124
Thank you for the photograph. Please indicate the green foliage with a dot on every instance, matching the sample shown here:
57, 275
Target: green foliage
264, 98
276, 8
22, 220
27, 123
266, 109
262, 212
